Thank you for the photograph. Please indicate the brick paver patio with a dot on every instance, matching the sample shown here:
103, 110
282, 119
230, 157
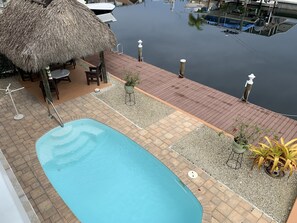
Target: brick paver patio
220, 204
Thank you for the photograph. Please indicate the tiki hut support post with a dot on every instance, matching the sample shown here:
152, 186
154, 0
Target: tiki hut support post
104, 74
46, 86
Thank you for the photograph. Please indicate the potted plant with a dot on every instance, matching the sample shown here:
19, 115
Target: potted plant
132, 79
275, 156
244, 134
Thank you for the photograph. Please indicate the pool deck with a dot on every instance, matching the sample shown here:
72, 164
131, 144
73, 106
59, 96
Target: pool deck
18, 138
211, 106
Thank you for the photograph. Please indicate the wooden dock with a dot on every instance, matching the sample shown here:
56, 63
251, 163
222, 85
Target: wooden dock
212, 106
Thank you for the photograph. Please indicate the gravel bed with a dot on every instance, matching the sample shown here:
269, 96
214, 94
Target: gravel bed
145, 112
209, 150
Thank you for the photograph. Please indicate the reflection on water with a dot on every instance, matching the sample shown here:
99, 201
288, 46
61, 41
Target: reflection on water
252, 18
195, 20
213, 58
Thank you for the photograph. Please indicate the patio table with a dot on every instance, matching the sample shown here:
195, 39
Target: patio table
60, 74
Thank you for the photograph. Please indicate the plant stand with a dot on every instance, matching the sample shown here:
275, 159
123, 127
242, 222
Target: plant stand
129, 96
235, 158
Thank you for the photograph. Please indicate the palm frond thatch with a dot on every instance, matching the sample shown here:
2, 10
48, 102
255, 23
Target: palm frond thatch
33, 36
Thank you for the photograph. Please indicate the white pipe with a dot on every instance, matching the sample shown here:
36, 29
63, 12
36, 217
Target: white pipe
18, 116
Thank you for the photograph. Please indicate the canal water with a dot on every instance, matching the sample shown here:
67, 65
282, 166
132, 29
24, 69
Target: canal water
213, 58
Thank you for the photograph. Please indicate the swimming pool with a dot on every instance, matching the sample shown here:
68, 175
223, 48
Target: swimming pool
105, 177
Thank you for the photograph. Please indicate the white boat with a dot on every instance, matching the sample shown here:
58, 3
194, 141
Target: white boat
99, 8
107, 18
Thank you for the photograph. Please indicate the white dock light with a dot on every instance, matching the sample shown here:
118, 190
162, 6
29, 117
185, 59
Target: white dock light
182, 66
248, 87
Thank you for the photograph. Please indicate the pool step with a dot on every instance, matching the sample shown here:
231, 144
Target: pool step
81, 153
70, 155
73, 135
71, 146
62, 132
69, 138
91, 129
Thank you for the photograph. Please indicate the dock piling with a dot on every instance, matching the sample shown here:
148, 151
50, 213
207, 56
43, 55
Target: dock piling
182, 68
140, 58
248, 87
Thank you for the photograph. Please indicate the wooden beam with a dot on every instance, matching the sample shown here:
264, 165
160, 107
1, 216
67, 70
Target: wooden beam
104, 74
46, 86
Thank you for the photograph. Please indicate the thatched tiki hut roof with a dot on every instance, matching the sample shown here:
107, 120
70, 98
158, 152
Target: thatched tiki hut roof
36, 33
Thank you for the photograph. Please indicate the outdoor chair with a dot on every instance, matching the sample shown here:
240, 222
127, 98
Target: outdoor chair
28, 75
94, 74
69, 62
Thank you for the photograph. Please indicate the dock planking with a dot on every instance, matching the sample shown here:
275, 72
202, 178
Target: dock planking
212, 106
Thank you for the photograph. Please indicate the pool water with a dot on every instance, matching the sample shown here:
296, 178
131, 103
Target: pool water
105, 177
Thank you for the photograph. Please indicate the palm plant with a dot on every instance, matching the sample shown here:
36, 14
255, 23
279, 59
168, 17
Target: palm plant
289, 154
276, 154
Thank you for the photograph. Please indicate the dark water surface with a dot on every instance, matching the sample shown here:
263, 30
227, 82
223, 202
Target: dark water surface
214, 59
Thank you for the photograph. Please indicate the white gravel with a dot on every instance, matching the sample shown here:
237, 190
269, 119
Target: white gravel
146, 110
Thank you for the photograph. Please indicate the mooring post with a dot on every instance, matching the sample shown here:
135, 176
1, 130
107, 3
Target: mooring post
140, 58
182, 67
248, 87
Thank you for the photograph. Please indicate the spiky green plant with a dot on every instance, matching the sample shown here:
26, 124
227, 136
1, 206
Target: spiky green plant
277, 153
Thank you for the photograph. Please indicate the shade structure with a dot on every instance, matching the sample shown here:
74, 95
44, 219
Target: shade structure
37, 33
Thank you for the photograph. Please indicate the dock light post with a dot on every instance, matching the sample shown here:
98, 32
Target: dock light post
248, 87
140, 58
182, 66
8, 91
